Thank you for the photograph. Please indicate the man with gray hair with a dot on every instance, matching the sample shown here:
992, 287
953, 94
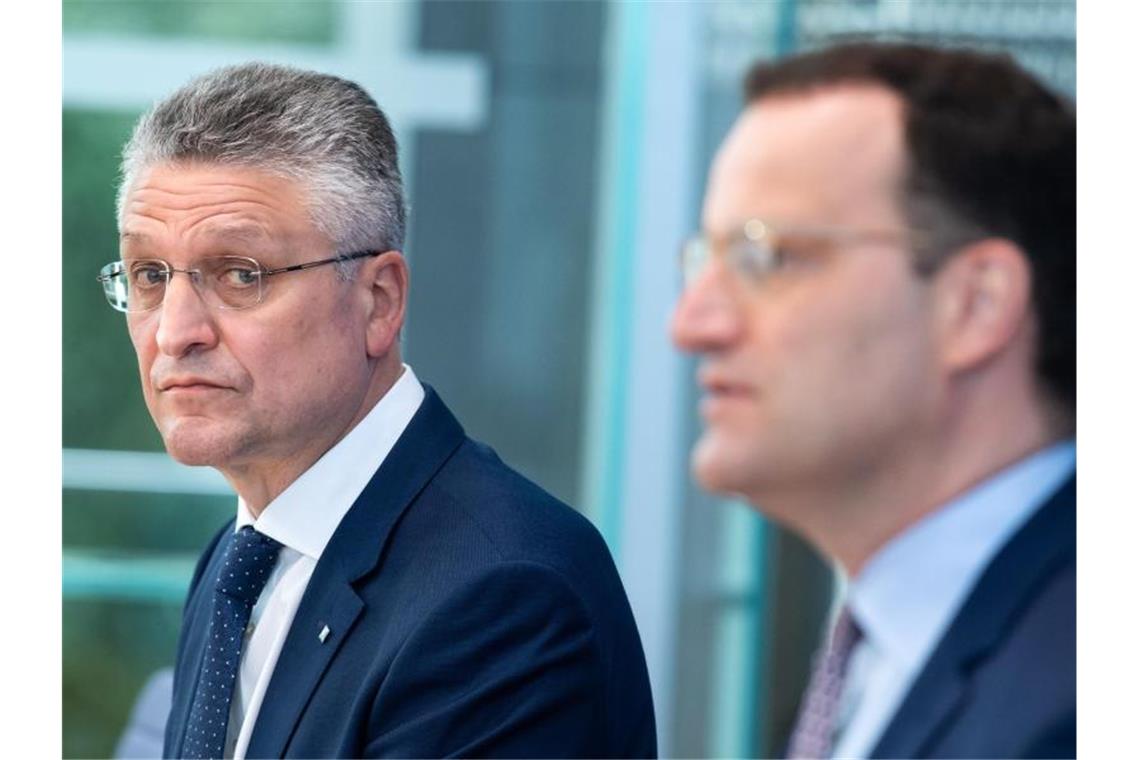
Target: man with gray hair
388, 587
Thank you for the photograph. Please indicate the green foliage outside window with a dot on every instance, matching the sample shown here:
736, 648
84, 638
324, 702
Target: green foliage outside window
294, 22
102, 400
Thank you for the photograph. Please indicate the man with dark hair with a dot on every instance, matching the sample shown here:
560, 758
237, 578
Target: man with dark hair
389, 587
884, 304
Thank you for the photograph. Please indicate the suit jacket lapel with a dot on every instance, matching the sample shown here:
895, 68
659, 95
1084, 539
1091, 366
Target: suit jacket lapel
354, 550
1046, 542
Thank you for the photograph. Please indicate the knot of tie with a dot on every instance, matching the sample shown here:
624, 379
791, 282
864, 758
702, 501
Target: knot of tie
247, 564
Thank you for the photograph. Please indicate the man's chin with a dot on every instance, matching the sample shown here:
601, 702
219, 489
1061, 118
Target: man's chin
196, 445
714, 467
191, 456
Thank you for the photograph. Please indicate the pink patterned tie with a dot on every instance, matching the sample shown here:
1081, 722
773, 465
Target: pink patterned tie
820, 704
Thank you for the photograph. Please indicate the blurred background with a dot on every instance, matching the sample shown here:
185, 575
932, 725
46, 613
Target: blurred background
555, 155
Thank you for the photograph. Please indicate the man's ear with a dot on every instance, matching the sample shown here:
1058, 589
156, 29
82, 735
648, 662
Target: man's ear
983, 302
386, 277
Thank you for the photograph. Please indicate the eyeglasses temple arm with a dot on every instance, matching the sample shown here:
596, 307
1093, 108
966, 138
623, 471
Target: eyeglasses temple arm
322, 262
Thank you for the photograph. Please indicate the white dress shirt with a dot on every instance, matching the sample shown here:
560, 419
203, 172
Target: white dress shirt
303, 518
907, 595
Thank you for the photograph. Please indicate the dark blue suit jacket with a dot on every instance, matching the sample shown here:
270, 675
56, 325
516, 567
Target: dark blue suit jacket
470, 612
1002, 682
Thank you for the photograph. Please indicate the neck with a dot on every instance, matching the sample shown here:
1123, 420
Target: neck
259, 483
850, 519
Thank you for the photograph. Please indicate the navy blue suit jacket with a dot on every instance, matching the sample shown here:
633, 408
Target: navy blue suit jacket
1002, 682
470, 613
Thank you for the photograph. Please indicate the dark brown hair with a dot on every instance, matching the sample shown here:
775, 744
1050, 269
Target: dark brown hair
991, 153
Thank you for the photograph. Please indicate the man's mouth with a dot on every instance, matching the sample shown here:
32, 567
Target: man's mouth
189, 385
719, 385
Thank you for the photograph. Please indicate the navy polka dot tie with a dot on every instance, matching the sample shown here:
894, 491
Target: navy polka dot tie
819, 708
246, 567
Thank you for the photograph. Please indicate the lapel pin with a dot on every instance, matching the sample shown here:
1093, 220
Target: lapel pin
324, 634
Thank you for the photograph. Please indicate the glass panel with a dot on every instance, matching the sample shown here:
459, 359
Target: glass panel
99, 521
501, 234
127, 561
102, 403
1041, 34
301, 22
110, 648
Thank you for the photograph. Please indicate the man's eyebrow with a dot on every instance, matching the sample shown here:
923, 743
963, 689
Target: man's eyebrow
235, 232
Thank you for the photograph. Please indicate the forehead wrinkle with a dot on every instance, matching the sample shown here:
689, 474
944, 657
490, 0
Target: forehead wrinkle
161, 204
209, 185
158, 191
193, 209
146, 201
241, 231
209, 230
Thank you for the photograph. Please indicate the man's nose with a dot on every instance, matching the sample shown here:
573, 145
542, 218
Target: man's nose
186, 323
708, 314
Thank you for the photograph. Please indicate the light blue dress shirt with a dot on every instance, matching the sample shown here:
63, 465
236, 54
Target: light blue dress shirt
907, 595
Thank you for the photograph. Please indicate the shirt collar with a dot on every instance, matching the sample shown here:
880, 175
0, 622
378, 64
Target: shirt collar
907, 594
304, 516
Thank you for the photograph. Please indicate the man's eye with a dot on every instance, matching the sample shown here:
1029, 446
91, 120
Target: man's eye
238, 276
789, 254
784, 255
147, 276
751, 260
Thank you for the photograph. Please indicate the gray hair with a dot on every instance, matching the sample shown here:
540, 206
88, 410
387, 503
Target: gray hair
319, 130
